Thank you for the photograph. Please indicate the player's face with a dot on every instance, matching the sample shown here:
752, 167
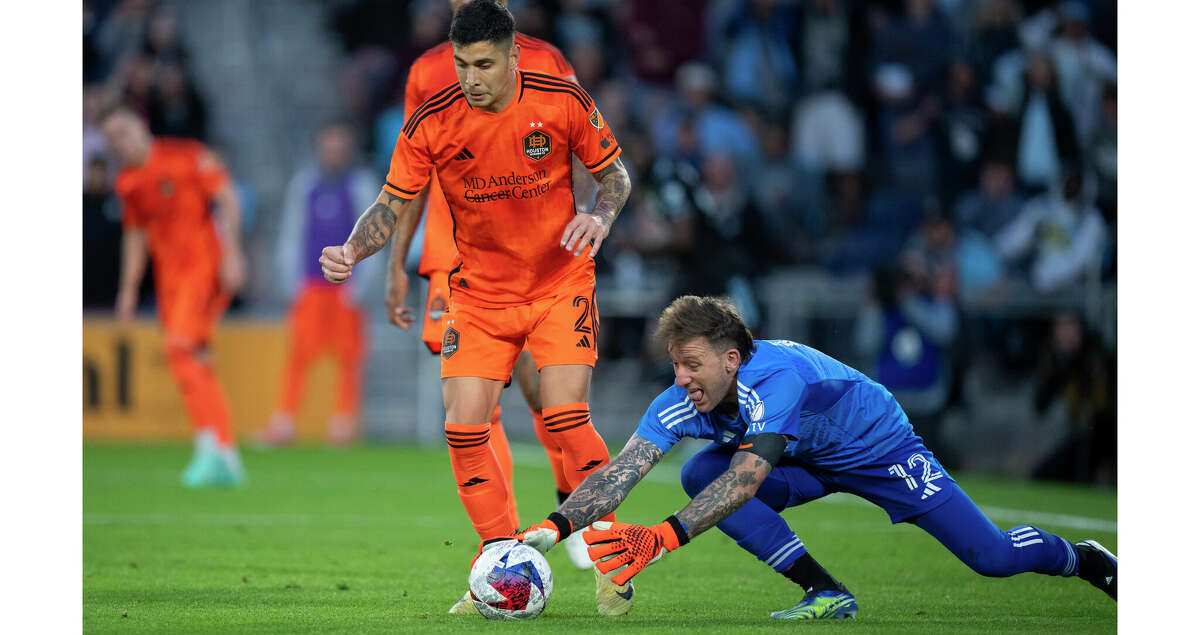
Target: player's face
707, 374
486, 73
127, 137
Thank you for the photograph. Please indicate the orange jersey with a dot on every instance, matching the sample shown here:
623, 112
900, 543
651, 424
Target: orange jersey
432, 72
506, 177
168, 196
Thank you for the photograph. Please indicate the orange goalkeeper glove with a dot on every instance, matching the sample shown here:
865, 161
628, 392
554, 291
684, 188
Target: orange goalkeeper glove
632, 546
547, 533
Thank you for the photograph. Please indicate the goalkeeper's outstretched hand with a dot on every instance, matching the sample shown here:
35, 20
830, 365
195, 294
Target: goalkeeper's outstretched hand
547, 533
616, 545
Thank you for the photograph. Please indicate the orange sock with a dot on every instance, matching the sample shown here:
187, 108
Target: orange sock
203, 397
481, 485
553, 453
570, 426
504, 457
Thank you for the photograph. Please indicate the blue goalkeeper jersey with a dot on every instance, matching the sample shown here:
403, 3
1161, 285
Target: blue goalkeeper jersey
835, 417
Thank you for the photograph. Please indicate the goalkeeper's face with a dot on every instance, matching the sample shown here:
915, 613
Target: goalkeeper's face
707, 373
486, 72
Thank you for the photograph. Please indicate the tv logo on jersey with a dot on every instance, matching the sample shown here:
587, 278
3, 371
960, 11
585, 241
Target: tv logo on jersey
537, 145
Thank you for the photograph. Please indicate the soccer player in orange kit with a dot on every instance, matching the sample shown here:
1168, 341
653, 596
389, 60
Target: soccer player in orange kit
431, 72
166, 187
500, 142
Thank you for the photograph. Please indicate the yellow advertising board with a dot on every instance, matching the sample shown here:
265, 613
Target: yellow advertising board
129, 393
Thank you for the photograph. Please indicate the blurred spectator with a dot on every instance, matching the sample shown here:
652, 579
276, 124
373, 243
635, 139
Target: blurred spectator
101, 236
1076, 372
320, 208
962, 131
824, 33
660, 36
123, 30
828, 134
993, 204
717, 128
790, 197
759, 67
905, 329
905, 121
980, 214
908, 61
1046, 133
93, 139
174, 108
588, 59
920, 40
1084, 67
1102, 156
720, 236
869, 230
993, 33
94, 67
135, 80
163, 42
1064, 231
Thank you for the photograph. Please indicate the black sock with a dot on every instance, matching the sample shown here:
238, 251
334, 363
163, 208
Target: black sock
810, 575
562, 496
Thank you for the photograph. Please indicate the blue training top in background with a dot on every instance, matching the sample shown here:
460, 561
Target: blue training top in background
836, 417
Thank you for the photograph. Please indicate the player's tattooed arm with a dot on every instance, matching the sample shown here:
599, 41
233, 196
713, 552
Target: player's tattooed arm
614, 191
591, 228
602, 492
375, 226
726, 494
370, 234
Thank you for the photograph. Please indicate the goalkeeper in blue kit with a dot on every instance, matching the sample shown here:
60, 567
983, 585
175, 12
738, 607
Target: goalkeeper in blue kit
789, 425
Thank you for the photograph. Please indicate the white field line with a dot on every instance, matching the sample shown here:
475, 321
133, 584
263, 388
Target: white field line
528, 455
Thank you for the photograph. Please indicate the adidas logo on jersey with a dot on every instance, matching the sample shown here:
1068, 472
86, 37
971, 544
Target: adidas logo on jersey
590, 464
464, 155
474, 481
584, 342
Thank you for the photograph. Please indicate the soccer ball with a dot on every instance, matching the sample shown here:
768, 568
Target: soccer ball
510, 581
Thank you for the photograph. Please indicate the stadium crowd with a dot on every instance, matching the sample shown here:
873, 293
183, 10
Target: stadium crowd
958, 155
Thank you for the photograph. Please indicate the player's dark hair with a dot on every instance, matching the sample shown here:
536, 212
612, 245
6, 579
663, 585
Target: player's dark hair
482, 21
715, 319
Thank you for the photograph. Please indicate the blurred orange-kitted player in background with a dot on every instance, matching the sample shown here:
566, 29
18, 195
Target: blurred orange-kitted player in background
178, 203
321, 204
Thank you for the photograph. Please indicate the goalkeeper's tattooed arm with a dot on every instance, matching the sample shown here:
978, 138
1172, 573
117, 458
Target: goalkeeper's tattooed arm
601, 493
725, 494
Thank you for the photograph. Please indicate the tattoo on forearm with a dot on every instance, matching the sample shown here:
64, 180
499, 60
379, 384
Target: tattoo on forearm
614, 191
603, 491
375, 226
726, 494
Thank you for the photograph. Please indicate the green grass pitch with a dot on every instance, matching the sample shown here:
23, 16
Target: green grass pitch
374, 539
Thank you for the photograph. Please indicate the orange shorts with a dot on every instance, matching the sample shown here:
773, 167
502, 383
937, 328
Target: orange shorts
324, 319
484, 342
435, 308
191, 307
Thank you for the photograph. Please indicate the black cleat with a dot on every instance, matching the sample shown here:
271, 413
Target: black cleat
1098, 566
